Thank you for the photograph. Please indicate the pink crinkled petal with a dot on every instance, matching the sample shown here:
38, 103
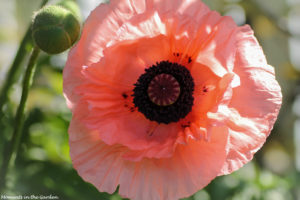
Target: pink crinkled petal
218, 46
143, 139
191, 167
192, 8
99, 29
255, 104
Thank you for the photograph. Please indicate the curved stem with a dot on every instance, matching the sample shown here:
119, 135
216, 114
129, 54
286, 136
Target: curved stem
14, 69
10, 154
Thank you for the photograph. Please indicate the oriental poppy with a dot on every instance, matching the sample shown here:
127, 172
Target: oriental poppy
166, 95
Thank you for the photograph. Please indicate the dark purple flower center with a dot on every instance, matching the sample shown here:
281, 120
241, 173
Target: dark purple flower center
164, 93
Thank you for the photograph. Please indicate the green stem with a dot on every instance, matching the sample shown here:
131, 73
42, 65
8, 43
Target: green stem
13, 71
10, 155
15, 67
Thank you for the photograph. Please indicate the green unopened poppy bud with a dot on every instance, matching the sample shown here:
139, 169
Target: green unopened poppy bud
55, 29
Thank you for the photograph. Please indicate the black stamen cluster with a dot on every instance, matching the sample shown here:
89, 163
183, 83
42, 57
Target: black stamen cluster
171, 113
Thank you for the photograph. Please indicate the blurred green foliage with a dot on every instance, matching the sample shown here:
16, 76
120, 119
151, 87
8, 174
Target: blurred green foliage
43, 165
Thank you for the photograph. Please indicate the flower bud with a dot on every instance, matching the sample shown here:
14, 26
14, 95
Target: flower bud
55, 29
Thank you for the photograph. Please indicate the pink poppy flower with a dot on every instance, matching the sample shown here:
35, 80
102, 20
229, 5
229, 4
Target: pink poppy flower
166, 95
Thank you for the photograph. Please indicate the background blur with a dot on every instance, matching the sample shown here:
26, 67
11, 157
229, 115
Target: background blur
44, 166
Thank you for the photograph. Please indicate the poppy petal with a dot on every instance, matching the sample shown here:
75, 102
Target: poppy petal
192, 167
250, 123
